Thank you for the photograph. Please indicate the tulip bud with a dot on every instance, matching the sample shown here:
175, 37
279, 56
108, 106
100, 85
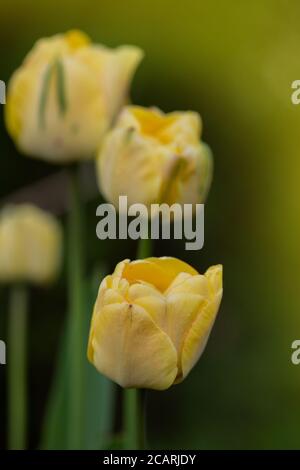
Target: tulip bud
152, 320
152, 157
30, 245
63, 98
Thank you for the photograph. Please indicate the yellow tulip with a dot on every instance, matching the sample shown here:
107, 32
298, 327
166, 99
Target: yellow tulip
63, 98
151, 321
30, 245
152, 157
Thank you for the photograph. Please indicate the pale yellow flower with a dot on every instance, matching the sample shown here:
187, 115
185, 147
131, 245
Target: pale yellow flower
63, 98
152, 157
151, 321
30, 245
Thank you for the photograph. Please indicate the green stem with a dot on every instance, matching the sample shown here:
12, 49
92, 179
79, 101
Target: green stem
134, 409
142, 423
76, 309
144, 248
17, 367
134, 419
131, 419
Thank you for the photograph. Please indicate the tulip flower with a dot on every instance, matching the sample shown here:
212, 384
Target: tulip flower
152, 320
30, 245
63, 98
152, 157
30, 252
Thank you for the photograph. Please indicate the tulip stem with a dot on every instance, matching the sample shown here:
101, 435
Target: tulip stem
134, 419
76, 312
144, 248
142, 424
17, 367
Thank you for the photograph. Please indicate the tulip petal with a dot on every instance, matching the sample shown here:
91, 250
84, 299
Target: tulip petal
125, 157
186, 284
160, 272
119, 66
151, 300
182, 309
172, 266
130, 349
196, 338
76, 39
214, 275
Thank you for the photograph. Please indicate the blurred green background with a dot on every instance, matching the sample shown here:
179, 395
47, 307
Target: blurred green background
234, 63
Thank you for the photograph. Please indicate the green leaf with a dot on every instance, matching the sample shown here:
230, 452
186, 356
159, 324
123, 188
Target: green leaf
54, 432
99, 410
99, 393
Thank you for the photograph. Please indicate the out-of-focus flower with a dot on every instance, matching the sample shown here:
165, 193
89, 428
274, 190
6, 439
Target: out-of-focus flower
152, 157
30, 245
63, 98
151, 321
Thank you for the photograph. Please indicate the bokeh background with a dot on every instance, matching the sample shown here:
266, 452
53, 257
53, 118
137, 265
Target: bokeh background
234, 63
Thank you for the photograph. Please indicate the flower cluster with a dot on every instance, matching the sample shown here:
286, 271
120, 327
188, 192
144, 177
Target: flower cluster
68, 101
